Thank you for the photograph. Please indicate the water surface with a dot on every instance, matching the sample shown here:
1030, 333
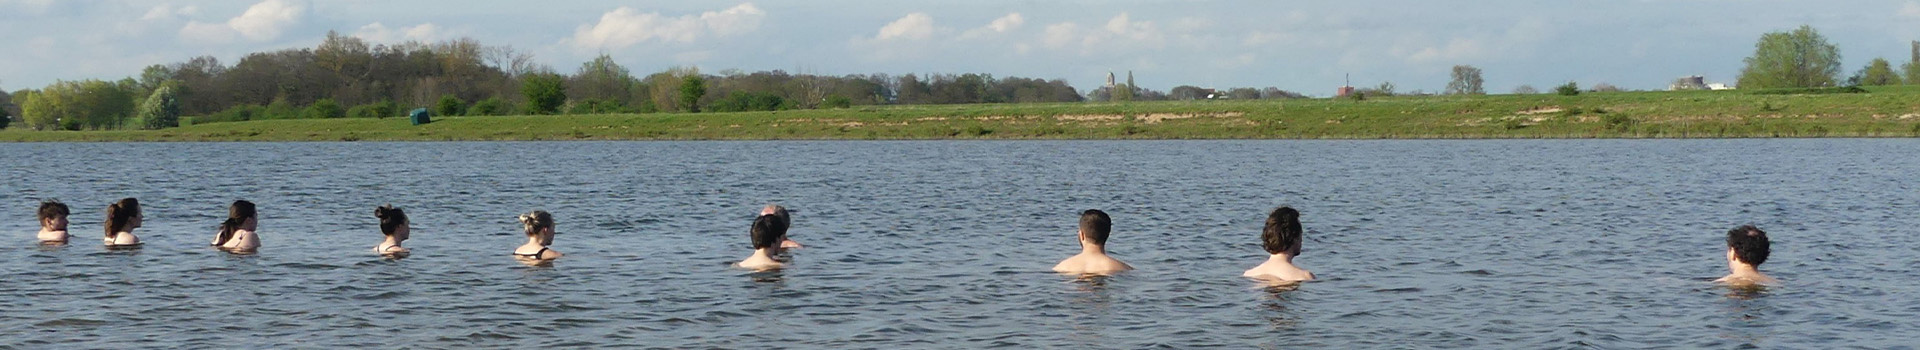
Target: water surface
1426, 244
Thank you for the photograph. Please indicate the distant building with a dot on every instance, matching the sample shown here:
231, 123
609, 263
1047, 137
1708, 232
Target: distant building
1109, 80
1343, 91
1719, 86
1692, 82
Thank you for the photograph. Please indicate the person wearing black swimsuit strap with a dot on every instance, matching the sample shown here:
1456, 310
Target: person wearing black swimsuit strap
394, 224
539, 226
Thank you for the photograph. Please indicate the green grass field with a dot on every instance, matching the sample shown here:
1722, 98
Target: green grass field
1892, 111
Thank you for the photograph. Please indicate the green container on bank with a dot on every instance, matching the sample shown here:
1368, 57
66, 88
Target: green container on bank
419, 116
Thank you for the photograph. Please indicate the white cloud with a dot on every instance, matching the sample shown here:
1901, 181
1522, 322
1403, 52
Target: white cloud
915, 26
1001, 25
1909, 10
263, 21
626, 26
166, 13
1518, 42
1121, 33
380, 33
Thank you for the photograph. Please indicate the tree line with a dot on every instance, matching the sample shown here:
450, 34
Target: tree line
346, 76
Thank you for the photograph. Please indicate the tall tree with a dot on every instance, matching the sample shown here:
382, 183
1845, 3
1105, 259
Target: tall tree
162, 109
602, 79
1466, 81
1800, 58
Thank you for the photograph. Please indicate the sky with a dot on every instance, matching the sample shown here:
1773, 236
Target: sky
1311, 47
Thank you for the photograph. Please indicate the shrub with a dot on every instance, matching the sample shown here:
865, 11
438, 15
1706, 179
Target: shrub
837, 101
280, 109
490, 106
162, 109
325, 108
598, 106
450, 105
1570, 89
1619, 122
238, 113
545, 93
380, 109
741, 101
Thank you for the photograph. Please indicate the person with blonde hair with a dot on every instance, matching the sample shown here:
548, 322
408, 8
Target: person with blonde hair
539, 227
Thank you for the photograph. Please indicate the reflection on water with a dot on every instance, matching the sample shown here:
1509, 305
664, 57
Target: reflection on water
1464, 244
1274, 304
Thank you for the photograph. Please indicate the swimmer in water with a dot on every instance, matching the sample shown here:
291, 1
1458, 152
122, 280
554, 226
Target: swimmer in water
53, 222
122, 217
781, 212
1093, 259
236, 234
765, 235
394, 224
1747, 248
1282, 239
539, 226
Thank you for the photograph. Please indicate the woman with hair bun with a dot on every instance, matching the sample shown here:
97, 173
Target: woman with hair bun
539, 227
394, 224
236, 234
122, 217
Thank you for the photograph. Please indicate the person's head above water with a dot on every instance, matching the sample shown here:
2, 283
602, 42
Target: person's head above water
1748, 245
122, 216
240, 216
1282, 234
53, 215
777, 211
1094, 227
767, 231
537, 223
392, 220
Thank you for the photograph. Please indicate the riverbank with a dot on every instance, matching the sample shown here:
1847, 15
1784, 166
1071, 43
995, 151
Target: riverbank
1880, 112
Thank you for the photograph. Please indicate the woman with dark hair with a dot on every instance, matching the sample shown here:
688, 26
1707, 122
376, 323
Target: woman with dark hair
539, 226
393, 223
53, 221
236, 234
122, 217
1282, 239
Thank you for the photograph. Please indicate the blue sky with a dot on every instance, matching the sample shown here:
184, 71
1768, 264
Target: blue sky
1304, 46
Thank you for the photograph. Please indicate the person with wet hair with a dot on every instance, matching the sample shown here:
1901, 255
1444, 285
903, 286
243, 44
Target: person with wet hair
122, 217
767, 232
53, 221
394, 224
1282, 239
781, 213
1747, 248
236, 234
539, 227
1093, 260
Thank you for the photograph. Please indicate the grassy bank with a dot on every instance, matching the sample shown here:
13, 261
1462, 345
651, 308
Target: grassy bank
1879, 112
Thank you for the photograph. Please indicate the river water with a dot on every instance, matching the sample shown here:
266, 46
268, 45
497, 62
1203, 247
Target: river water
1418, 244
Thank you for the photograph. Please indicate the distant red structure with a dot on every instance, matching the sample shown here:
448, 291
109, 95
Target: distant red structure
1343, 91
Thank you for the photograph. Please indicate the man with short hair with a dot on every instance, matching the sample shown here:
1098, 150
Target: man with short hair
766, 234
1747, 248
1093, 259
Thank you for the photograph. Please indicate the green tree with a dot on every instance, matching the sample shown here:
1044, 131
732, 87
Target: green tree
326, 108
450, 105
691, 89
1878, 72
1801, 58
1466, 81
162, 109
602, 79
1124, 93
545, 93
